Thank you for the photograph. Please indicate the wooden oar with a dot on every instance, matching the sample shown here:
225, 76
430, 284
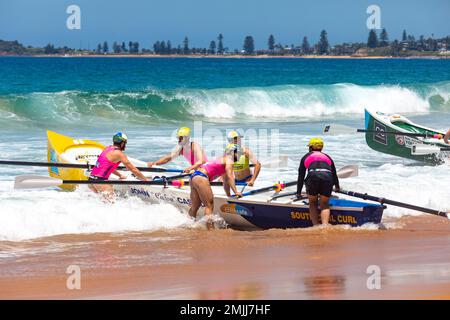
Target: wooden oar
77, 166
365, 196
424, 149
337, 129
348, 171
33, 181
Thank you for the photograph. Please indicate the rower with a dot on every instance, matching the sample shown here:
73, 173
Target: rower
107, 164
241, 167
190, 150
320, 180
201, 191
447, 137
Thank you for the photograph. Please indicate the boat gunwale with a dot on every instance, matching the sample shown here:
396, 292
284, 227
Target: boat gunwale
393, 126
232, 200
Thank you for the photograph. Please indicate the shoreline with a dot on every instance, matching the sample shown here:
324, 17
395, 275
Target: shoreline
225, 264
174, 56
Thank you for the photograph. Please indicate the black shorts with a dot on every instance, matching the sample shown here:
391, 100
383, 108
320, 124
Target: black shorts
319, 183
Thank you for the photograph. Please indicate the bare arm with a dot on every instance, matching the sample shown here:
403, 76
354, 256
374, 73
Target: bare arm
229, 180
117, 173
167, 158
127, 163
164, 160
447, 136
257, 164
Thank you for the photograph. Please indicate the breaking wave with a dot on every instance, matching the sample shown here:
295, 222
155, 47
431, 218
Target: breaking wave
299, 102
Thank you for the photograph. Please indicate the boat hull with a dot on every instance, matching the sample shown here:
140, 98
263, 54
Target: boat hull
398, 144
343, 212
256, 212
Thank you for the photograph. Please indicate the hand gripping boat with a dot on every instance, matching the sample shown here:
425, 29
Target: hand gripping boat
252, 212
398, 136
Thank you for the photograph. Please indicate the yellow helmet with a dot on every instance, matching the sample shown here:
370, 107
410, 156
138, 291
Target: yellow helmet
316, 143
183, 132
234, 134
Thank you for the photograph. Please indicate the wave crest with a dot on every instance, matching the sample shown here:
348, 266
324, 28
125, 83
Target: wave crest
278, 102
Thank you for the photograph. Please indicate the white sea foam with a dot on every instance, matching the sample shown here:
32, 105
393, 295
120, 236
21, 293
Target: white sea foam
41, 213
304, 101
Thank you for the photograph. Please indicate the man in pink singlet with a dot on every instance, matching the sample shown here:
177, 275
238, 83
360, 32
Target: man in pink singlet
107, 163
190, 150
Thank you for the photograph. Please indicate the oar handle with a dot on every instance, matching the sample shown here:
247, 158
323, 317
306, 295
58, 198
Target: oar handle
45, 164
78, 166
147, 169
115, 182
381, 200
160, 181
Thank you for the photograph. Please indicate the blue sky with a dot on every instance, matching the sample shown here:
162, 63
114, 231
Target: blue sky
38, 22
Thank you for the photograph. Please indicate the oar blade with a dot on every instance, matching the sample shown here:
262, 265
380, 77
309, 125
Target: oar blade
348, 171
338, 129
424, 149
33, 182
279, 162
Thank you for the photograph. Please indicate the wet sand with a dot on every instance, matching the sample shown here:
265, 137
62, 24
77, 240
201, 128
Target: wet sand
414, 260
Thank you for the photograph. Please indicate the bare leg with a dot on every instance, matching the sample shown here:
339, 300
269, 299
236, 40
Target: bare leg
206, 197
313, 209
195, 200
106, 190
325, 209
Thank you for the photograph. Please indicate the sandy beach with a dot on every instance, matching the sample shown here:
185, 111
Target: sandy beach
230, 56
412, 254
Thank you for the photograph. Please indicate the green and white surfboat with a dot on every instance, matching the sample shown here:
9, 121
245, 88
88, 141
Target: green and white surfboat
396, 135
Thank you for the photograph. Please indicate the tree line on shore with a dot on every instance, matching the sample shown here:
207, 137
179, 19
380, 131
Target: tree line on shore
377, 45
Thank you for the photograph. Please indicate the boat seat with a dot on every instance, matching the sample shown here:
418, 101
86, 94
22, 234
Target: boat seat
399, 118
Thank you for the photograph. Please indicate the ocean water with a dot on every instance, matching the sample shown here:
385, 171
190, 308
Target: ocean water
278, 103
